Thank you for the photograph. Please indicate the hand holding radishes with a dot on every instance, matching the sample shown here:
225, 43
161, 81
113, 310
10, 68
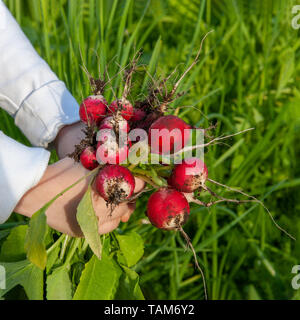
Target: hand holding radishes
61, 215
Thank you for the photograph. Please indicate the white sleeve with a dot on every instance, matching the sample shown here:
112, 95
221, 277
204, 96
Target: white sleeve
21, 168
29, 91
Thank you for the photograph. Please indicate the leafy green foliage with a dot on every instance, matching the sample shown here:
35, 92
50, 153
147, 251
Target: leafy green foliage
59, 285
35, 239
52, 258
13, 248
106, 278
88, 222
129, 288
99, 280
131, 248
25, 274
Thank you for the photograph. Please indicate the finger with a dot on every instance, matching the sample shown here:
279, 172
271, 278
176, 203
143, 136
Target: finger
139, 185
125, 217
107, 215
109, 226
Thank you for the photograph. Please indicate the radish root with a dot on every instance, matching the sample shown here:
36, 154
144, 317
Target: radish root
253, 200
189, 244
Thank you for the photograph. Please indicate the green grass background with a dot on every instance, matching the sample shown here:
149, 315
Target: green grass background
248, 76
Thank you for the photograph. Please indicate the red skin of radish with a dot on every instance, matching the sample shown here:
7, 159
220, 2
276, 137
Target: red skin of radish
88, 158
93, 109
169, 123
147, 122
109, 122
115, 179
188, 175
124, 106
138, 115
168, 209
110, 151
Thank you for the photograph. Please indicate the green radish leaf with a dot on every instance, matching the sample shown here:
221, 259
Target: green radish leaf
35, 239
25, 274
88, 222
129, 288
131, 247
59, 286
13, 249
99, 280
121, 259
52, 257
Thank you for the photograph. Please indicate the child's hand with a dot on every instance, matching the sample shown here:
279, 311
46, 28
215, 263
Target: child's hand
62, 213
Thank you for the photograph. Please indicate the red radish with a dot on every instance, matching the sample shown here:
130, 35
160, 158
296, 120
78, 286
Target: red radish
115, 183
147, 122
138, 114
93, 109
168, 209
108, 149
88, 158
113, 124
189, 175
122, 105
162, 140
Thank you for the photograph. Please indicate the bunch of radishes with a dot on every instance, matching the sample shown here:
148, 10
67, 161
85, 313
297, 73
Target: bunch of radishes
107, 146
168, 207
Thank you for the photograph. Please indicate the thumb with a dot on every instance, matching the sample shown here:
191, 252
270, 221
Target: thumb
139, 185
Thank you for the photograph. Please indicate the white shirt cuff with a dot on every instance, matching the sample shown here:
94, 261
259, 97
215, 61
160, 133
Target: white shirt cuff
45, 111
21, 168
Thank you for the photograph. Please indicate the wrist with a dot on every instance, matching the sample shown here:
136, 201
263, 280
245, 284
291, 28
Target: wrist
56, 178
